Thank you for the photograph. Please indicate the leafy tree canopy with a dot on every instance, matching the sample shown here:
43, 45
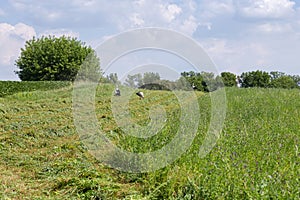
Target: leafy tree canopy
229, 79
151, 77
57, 59
255, 79
134, 81
113, 78
283, 82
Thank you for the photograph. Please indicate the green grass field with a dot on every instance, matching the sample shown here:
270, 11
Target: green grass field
42, 157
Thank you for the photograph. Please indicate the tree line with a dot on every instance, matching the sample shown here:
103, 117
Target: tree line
208, 81
59, 59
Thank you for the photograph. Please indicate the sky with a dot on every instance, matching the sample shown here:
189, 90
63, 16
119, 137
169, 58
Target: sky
238, 36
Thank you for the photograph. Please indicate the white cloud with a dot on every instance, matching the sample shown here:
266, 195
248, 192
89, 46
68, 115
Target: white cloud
51, 16
96, 42
18, 4
24, 31
12, 39
139, 2
115, 15
136, 19
274, 28
216, 8
268, 8
236, 56
40, 10
220, 8
170, 11
160, 13
253, 53
5, 28
207, 25
217, 46
192, 5
212, 13
189, 25
60, 32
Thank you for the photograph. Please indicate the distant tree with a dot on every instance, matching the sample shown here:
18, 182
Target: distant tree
204, 81
229, 79
296, 79
194, 79
134, 81
113, 78
255, 79
283, 82
182, 84
170, 85
130, 82
276, 74
154, 86
151, 77
218, 82
139, 80
210, 82
89, 69
57, 59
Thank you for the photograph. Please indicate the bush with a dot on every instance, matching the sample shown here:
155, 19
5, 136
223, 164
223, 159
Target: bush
56, 59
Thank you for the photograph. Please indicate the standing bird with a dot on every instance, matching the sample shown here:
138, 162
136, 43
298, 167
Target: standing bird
117, 92
140, 94
194, 87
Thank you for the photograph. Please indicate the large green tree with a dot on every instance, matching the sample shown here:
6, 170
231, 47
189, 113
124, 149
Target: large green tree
203, 81
283, 82
113, 78
255, 79
276, 74
194, 79
151, 77
134, 81
229, 79
211, 82
52, 59
296, 79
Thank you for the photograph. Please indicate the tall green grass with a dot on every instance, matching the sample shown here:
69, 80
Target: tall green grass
256, 157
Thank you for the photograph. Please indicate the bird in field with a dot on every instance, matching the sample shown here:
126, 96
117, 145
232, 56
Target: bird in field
140, 94
117, 92
194, 87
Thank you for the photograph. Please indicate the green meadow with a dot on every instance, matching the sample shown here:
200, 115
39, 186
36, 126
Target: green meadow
42, 157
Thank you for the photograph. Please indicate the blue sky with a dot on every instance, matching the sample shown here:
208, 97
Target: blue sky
238, 35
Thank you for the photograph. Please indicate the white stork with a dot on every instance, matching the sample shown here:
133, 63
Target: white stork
140, 94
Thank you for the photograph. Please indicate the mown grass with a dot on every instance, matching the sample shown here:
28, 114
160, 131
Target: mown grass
256, 157
12, 87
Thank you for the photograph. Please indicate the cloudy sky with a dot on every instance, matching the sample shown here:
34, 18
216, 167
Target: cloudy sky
238, 35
